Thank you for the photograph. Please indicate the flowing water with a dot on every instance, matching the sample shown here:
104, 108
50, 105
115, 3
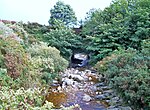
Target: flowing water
77, 87
85, 88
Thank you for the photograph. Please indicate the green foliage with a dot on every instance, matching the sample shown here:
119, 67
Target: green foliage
36, 31
102, 65
28, 80
125, 23
14, 57
20, 32
128, 72
64, 40
27, 71
14, 60
47, 61
58, 24
30, 99
145, 44
62, 12
108, 35
4, 78
21, 69
1, 59
1, 32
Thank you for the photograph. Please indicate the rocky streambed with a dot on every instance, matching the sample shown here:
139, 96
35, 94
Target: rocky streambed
86, 88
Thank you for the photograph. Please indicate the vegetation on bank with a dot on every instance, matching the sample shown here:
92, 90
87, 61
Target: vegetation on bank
26, 70
117, 39
127, 71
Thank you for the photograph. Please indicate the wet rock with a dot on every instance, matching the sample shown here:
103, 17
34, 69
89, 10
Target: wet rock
90, 78
99, 89
109, 93
119, 108
100, 84
93, 71
59, 88
54, 86
77, 77
105, 88
102, 78
93, 88
115, 99
86, 98
55, 82
125, 108
113, 108
108, 101
98, 93
76, 71
88, 71
67, 81
101, 97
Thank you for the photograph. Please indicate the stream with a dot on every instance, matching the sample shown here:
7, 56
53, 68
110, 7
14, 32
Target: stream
85, 88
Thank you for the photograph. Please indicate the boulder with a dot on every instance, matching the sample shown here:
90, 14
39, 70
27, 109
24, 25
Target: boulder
86, 98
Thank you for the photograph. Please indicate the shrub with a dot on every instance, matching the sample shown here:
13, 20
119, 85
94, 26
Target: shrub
20, 32
36, 31
101, 66
5, 31
21, 99
29, 99
47, 60
14, 56
128, 73
14, 60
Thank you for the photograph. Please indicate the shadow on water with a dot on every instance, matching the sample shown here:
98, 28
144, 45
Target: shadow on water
57, 98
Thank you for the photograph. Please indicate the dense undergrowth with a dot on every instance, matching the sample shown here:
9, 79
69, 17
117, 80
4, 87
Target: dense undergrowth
127, 71
25, 71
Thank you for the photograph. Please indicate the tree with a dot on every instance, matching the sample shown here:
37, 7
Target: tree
64, 13
64, 39
125, 23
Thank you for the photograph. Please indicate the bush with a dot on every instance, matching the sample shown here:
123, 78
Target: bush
14, 57
102, 65
20, 32
22, 99
47, 60
128, 73
6, 80
36, 31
